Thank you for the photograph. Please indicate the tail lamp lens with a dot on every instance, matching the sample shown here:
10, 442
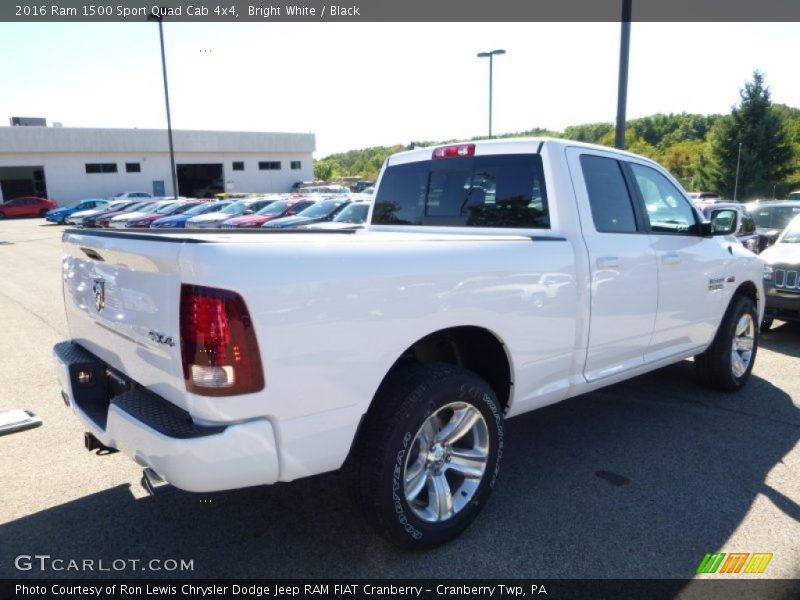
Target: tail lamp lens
218, 344
454, 151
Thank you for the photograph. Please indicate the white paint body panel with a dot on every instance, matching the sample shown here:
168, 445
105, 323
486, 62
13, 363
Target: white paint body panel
333, 312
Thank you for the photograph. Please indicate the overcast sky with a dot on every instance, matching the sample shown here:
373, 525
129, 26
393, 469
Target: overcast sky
358, 85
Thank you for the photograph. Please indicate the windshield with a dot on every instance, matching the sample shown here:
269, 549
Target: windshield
275, 208
792, 233
200, 209
355, 213
774, 217
236, 208
169, 208
111, 207
321, 209
136, 206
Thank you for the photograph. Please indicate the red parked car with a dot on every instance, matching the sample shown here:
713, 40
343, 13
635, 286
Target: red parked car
281, 208
27, 206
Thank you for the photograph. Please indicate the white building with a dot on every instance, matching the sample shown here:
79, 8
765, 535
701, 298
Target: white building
67, 164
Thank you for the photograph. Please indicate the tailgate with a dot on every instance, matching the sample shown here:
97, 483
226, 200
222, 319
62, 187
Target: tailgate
122, 297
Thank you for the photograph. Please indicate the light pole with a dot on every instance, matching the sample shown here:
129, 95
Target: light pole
736, 183
622, 83
160, 19
491, 54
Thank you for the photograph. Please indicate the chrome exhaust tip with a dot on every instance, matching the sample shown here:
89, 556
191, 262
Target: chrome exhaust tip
152, 483
91, 443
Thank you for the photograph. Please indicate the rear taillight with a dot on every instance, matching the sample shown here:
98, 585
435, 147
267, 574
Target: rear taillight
218, 344
454, 151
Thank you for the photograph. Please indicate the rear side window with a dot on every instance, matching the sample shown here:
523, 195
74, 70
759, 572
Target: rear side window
612, 209
505, 190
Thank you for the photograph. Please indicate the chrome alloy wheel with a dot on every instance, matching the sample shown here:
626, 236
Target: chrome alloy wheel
446, 462
742, 348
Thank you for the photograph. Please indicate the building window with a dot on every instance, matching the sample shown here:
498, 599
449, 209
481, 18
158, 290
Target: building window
133, 168
269, 165
238, 165
296, 165
101, 167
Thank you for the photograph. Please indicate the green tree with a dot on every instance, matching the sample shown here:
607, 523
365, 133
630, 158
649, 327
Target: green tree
588, 132
633, 143
767, 156
683, 159
325, 169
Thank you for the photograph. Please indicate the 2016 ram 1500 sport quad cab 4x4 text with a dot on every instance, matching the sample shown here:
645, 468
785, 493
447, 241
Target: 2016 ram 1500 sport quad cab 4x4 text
495, 278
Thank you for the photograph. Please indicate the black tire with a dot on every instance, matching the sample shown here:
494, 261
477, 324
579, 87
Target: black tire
2, 216
715, 366
43, 212
390, 442
766, 325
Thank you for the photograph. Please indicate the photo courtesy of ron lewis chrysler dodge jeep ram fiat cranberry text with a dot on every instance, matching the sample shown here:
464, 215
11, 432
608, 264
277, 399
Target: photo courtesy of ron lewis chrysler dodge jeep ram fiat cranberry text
494, 278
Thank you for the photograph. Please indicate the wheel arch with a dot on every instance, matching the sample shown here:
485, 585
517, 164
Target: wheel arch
474, 348
748, 289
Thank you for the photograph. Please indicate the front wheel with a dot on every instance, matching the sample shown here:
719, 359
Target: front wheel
429, 454
726, 364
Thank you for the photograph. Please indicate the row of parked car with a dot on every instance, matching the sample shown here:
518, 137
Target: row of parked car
339, 211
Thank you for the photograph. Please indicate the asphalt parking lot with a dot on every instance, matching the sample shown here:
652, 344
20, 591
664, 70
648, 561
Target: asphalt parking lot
638, 480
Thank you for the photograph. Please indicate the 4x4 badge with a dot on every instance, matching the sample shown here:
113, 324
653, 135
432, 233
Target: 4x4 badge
99, 289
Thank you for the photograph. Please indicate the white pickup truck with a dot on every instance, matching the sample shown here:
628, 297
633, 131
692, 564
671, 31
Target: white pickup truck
494, 278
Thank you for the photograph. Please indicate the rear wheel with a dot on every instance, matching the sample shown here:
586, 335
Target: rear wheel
428, 455
727, 363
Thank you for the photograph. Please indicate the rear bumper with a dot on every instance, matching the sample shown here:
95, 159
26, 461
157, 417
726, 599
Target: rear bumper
163, 437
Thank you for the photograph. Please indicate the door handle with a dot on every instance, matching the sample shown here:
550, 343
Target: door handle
608, 262
670, 258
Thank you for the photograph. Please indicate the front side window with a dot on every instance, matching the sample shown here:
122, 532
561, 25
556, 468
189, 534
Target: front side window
666, 208
610, 201
505, 190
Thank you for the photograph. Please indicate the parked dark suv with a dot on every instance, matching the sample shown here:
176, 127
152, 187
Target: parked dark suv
772, 217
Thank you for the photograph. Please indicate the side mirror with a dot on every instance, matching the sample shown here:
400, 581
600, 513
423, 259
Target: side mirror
724, 221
